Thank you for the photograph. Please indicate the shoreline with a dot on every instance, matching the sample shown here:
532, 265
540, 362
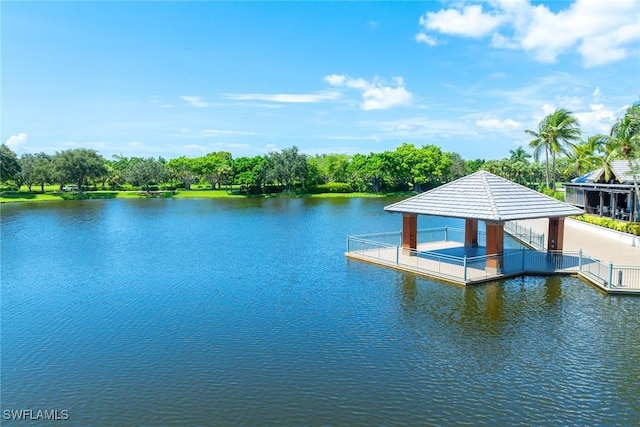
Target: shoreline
23, 197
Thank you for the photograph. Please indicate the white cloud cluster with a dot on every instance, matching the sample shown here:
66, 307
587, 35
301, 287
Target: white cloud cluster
16, 142
594, 117
600, 31
376, 95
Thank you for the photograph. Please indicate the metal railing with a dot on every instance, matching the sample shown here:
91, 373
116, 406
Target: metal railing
386, 248
525, 235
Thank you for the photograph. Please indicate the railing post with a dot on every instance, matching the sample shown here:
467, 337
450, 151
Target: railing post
446, 233
464, 269
619, 277
580, 260
397, 255
348, 246
610, 274
523, 254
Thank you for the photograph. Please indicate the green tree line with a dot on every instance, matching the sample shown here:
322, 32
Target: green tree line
558, 153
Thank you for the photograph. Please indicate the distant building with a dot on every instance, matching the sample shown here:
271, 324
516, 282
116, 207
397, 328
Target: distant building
613, 199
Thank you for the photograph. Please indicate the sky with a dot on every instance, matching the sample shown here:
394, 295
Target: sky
168, 79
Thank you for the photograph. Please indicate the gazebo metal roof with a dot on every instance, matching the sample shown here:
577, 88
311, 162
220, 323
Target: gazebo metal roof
484, 196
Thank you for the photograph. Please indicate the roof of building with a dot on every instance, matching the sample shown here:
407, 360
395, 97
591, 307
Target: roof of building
620, 169
484, 196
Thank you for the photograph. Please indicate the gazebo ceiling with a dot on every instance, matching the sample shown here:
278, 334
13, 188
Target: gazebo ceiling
484, 196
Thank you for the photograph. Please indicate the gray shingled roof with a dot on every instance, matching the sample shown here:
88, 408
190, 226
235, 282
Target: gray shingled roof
484, 196
621, 172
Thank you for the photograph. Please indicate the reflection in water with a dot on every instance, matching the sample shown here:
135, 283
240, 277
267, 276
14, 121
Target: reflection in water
491, 308
409, 289
495, 302
553, 289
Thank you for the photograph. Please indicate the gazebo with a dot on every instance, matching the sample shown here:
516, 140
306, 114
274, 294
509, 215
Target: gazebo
483, 196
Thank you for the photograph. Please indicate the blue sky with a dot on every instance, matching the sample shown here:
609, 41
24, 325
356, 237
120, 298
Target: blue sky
188, 78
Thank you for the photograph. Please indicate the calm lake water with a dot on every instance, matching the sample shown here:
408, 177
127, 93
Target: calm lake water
246, 312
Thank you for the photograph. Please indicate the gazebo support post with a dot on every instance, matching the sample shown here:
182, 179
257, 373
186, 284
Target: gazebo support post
555, 239
471, 233
495, 247
409, 233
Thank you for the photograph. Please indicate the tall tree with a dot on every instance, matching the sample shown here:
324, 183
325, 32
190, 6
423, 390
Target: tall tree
42, 170
27, 164
555, 133
183, 168
9, 165
214, 167
147, 171
426, 165
287, 167
78, 164
248, 173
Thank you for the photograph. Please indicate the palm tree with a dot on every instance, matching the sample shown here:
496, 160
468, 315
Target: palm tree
519, 155
585, 156
538, 144
624, 141
556, 130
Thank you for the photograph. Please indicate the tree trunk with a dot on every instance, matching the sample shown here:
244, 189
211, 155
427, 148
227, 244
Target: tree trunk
553, 170
80, 180
546, 166
636, 188
42, 187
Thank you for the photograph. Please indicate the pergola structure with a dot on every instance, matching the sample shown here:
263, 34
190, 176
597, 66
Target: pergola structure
483, 196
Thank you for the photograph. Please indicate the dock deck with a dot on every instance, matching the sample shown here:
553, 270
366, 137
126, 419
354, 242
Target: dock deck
451, 261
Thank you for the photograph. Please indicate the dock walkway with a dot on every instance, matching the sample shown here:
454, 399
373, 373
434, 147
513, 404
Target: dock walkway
441, 255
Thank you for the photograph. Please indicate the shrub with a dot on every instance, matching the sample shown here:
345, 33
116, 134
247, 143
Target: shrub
331, 187
624, 227
558, 195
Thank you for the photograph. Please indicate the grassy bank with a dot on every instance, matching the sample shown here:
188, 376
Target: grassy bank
26, 196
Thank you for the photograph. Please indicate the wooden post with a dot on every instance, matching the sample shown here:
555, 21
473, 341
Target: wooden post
614, 204
409, 233
495, 247
555, 238
471, 233
601, 202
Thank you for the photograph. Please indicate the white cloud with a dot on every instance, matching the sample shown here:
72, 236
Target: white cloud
17, 142
594, 118
422, 37
335, 79
196, 101
294, 98
600, 32
470, 21
597, 119
493, 123
376, 95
